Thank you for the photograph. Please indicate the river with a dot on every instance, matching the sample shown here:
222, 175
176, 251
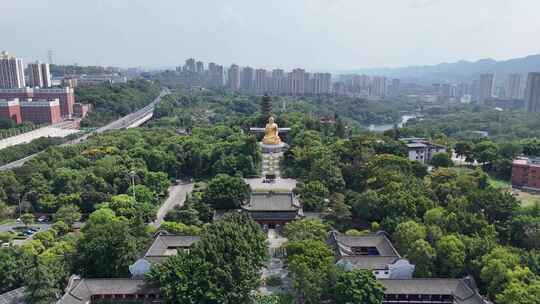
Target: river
385, 127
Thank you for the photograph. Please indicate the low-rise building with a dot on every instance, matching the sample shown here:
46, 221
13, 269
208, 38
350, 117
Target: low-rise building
164, 246
10, 109
372, 252
273, 209
91, 291
66, 96
526, 173
422, 150
41, 111
432, 291
81, 109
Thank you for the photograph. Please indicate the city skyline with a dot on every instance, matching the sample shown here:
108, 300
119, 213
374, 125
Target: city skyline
321, 35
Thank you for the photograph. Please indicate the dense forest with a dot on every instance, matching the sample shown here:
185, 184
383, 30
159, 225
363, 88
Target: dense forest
66, 70
461, 121
111, 101
17, 152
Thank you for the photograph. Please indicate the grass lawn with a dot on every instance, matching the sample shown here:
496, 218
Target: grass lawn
499, 184
461, 170
528, 199
6, 221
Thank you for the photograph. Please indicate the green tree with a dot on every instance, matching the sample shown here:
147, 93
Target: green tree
68, 214
40, 285
406, 234
306, 229
496, 266
485, 151
180, 228
357, 287
324, 171
531, 147
423, 256
223, 267
310, 262
441, 160
450, 256
226, 192
339, 213
464, 149
27, 218
106, 247
313, 195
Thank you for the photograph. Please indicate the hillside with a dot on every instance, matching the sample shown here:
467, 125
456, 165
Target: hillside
459, 71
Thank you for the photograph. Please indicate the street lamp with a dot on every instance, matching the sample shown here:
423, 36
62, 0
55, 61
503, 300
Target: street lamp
132, 174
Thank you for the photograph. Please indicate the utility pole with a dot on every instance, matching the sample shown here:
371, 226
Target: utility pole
132, 174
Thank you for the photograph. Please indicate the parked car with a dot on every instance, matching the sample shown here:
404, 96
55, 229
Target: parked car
18, 221
42, 219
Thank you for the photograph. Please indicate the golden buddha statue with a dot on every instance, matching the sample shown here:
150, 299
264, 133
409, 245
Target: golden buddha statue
271, 136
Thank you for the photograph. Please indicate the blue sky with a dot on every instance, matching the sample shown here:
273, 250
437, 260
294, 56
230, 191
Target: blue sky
315, 34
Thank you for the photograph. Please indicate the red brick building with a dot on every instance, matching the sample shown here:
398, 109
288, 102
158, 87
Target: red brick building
81, 109
10, 109
41, 111
526, 173
66, 97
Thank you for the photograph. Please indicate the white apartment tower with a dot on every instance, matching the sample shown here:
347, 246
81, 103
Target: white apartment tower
11, 72
39, 75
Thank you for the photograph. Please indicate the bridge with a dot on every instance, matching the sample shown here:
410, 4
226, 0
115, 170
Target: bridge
132, 120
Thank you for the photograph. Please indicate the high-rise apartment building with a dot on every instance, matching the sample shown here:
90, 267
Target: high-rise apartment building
39, 75
297, 81
11, 72
378, 86
320, 83
532, 93
279, 81
260, 81
246, 82
395, 87
216, 75
462, 90
234, 77
513, 86
485, 89
199, 67
190, 65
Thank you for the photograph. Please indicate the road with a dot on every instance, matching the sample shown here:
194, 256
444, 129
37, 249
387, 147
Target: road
117, 124
177, 196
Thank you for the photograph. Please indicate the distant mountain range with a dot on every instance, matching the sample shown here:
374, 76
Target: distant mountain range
458, 71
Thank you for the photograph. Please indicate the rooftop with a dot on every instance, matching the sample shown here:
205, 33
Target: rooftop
81, 290
369, 262
462, 292
15, 296
166, 245
272, 201
346, 245
523, 160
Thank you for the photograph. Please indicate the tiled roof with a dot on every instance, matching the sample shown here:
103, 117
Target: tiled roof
83, 289
164, 242
369, 262
345, 244
15, 296
463, 293
271, 201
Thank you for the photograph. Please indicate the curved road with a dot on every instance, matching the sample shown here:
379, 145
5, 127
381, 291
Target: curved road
177, 197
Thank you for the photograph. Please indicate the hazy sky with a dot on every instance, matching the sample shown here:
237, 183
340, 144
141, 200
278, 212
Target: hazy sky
315, 34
